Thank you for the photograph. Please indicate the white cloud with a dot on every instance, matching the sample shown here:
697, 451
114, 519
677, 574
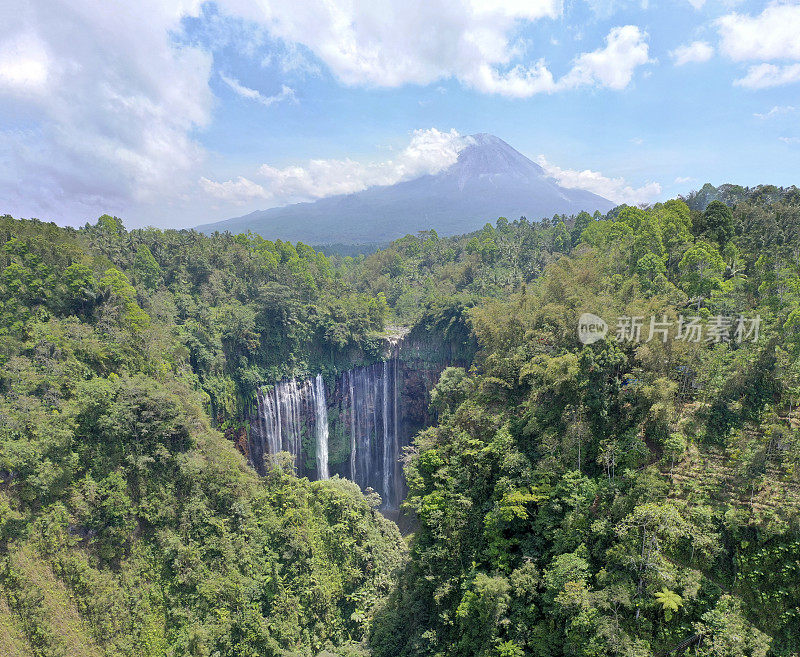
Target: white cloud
777, 110
697, 4
615, 189
428, 152
697, 51
771, 35
763, 76
768, 36
385, 43
24, 65
388, 44
110, 100
234, 191
682, 180
519, 82
790, 140
611, 66
286, 93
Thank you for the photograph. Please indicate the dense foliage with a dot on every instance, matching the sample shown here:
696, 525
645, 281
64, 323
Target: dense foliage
128, 525
622, 497
416, 270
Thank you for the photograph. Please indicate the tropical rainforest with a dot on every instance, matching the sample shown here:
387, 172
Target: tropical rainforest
634, 495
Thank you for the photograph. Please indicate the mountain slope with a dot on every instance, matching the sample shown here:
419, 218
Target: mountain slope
490, 179
128, 525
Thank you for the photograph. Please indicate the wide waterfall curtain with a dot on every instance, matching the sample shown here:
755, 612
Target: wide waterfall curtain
293, 417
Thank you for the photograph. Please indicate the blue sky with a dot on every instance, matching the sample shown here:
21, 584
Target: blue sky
178, 113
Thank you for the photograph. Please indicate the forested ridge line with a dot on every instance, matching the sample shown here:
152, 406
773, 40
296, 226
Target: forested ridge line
129, 525
616, 497
571, 499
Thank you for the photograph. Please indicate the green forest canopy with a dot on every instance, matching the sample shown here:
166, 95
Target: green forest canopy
611, 499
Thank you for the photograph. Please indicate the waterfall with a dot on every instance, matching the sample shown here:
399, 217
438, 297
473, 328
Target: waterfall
321, 422
396, 469
352, 428
287, 413
363, 436
369, 414
387, 447
364, 403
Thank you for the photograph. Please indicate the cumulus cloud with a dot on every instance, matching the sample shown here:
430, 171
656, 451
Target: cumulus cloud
110, 104
387, 44
615, 189
236, 191
763, 76
519, 82
770, 35
286, 93
428, 152
697, 51
611, 66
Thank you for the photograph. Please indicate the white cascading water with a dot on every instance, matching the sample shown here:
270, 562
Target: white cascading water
295, 412
349, 376
286, 413
372, 408
321, 428
387, 443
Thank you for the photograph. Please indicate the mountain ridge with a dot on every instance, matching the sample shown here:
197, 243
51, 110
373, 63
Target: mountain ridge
489, 179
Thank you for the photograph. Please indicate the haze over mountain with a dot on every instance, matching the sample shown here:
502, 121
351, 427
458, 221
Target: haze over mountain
490, 179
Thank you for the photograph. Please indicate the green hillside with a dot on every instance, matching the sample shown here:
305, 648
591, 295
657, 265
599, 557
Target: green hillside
628, 496
128, 525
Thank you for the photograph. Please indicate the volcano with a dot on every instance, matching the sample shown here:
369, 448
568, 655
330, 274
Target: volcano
490, 179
